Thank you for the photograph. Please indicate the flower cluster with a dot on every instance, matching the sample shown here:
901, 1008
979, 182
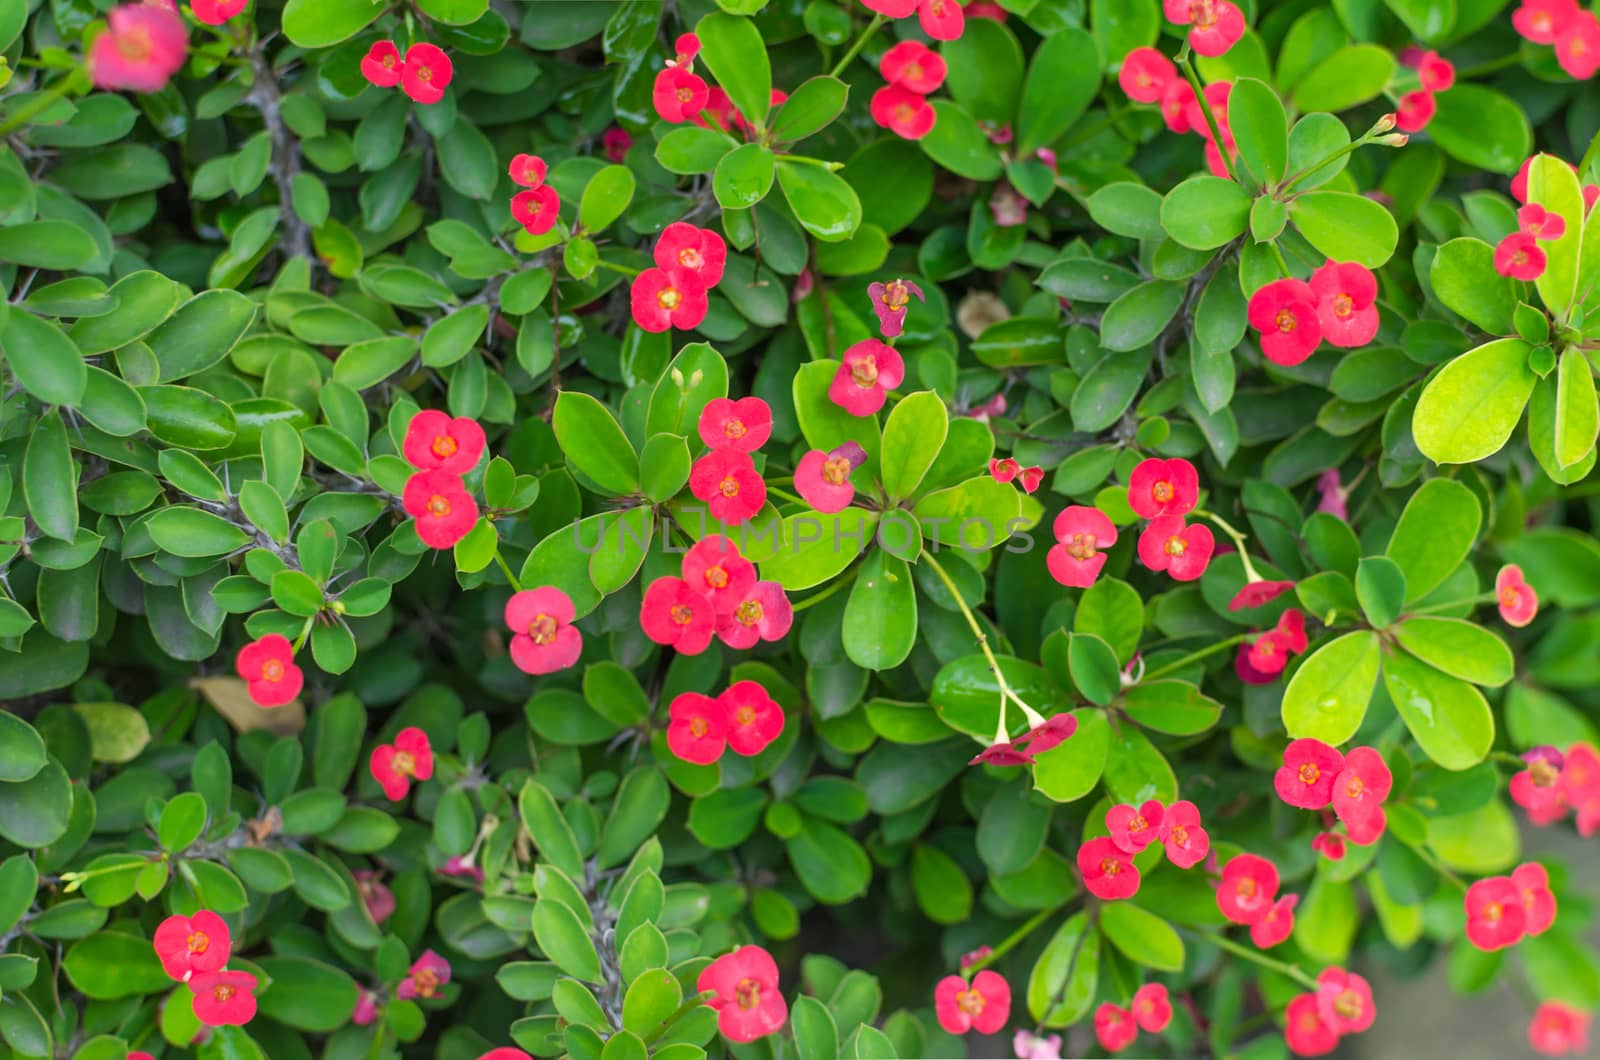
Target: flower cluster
195, 950
1339, 304
867, 372
1147, 76
679, 93
744, 718
982, 1005
689, 262
1315, 776
1164, 491
423, 74
1005, 469
1262, 660
717, 595
1574, 31
442, 450
1341, 1005
395, 765
726, 478
1519, 255
1248, 895
142, 46
543, 638
1149, 1011
1106, 862
1556, 1029
1214, 25
268, 669
537, 206
940, 19
1555, 784
911, 71
1502, 910
744, 991
1435, 74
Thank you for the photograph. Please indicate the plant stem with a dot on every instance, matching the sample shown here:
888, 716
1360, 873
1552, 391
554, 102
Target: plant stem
614, 267
505, 568
305, 631
835, 586
1222, 942
1481, 598
1194, 657
855, 49
1289, 184
806, 161
1033, 716
1421, 851
785, 494
1238, 538
1205, 106
40, 103
1015, 939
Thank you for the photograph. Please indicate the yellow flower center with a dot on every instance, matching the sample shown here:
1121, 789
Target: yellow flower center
682, 614
1285, 320
717, 577
222, 992
1176, 545
1082, 546
669, 298
271, 670
690, 258
970, 1001
1343, 305
735, 429
836, 470
542, 629
444, 446
729, 487
748, 613
198, 942
865, 371
438, 506
405, 764
748, 993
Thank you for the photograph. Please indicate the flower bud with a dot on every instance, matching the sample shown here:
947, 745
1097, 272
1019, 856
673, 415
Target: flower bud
1393, 140
1385, 123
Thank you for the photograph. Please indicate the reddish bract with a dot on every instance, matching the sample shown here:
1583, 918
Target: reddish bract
729, 484
715, 569
914, 66
1495, 916
1215, 25
1182, 551
1542, 21
1274, 926
679, 95
395, 765
867, 372
1082, 534
1163, 487
1114, 1027
443, 509
268, 669
1414, 111
982, 1005
1151, 1008
1248, 889
1304, 1030
754, 718
1186, 842
1520, 257
744, 989
823, 479
1358, 794
697, 251
543, 638
677, 615
382, 65
1347, 310
891, 301
537, 209
763, 614
902, 111
1108, 871
190, 946
1285, 312
1135, 827
436, 442
745, 424
427, 73
1344, 1001
1306, 778
1557, 1029
428, 973
1538, 901
697, 728
1517, 601
1145, 75
223, 999
142, 47
668, 298
528, 170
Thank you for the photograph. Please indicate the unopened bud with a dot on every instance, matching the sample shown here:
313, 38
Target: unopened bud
677, 378
1385, 123
1394, 140
696, 376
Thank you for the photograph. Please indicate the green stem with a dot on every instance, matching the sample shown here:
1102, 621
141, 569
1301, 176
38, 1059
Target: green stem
40, 103
1205, 107
1314, 167
614, 267
1470, 601
1421, 851
1033, 716
1283, 263
377, 1043
835, 586
1194, 657
505, 568
855, 49
785, 494
1238, 538
1222, 942
807, 161
1013, 940
305, 631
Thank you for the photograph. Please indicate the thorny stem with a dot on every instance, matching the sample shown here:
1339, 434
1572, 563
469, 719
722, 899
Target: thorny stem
285, 151
1194, 657
1222, 942
855, 49
1013, 940
1250, 573
1205, 106
505, 568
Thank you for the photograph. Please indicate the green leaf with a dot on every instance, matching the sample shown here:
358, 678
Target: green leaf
880, 618
823, 203
1094, 668
1348, 77
1553, 185
810, 108
1136, 318
1469, 409
561, 935
1063, 982
46, 362
817, 547
1346, 227
21, 749
650, 1002
109, 965
829, 862
1459, 648
815, 1036
1463, 277
1205, 212
1112, 610
1381, 590
1482, 128
732, 49
1327, 697
49, 479
1174, 707
117, 732
744, 176
690, 150
1435, 534
194, 533
605, 197
551, 833
319, 23
1256, 119
200, 334
1449, 719
594, 443
1577, 410
1128, 209
36, 812
307, 995
636, 812
1135, 770
957, 143
1061, 83
942, 889
1142, 936
912, 437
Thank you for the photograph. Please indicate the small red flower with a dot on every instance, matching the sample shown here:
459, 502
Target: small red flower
382, 65
1216, 24
1519, 183
267, 665
505, 1052
140, 1054
395, 765
679, 95
1004, 469
869, 370
744, 985
1285, 312
714, 568
983, 1005
1346, 294
1182, 551
1330, 845
1270, 652
615, 143
1151, 1008
528, 171
1541, 223
1517, 601
1580, 784
1276, 924
1145, 75
1304, 1030
1049, 734
972, 957
543, 638
676, 614
1557, 1029
1344, 1001
1163, 487
142, 47
1108, 870
1578, 46
377, 897
1415, 111
754, 718
426, 73
1258, 594
687, 46
1082, 534
729, 484
892, 8
1542, 21
1520, 257
1247, 671
1436, 73
1334, 495
744, 425
891, 301
1359, 791
698, 729
442, 507
435, 442
1538, 789
1538, 901
941, 19
1029, 478
902, 111
764, 613
1186, 842
1114, 1027
1134, 828
216, 12
1002, 754
914, 66
189, 946
823, 479
428, 973
1248, 889
1495, 915
668, 298
536, 209
697, 251
1176, 101
223, 999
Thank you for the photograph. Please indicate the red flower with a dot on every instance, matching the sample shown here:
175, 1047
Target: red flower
1538, 902
763, 614
913, 65
442, 507
983, 1005
1358, 794
869, 370
1346, 294
1004, 469
698, 729
1182, 551
1134, 828
1258, 594
1247, 671
1175, 103
1538, 789
267, 665
1076, 558
1049, 734
994, 12
505, 1052
528, 171
891, 301
902, 111
1556, 1029
746, 996
1002, 754
1145, 75
1163, 487
382, 65
395, 765
1542, 21
1114, 1027
719, 107
536, 209
1520, 257
216, 12
1415, 111
1307, 776
1151, 1009
941, 19
378, 899
1580, 783
687, 46
543, 638
142, 47
1248, 889
1495, 916
190, 945
1214, 161
616, 143
1108, 870
426, 73
1517, 601
139, 1054
679, 95
697, 251
1285, 312
754, 718
1275, 925
1187, 843
714, 568
435, 442
224, 999
1344, 1001
1217, 24
744, 425
1578, 46
1304, 1030
1029, 478
428, 973
668, 298
1541, 223
823, 479
1436, 73
1269, 653
892, 8
1330, 845
730, 485
674, 613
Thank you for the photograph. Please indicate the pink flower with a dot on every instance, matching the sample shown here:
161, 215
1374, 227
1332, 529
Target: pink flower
142, 47
1002, 754
444, 511
427, 73
1415, 111
1270, 652
729, 484
823, 479
1346, 295
1538, 902
187, 946
1134, 828
1004, 469
754, 718
1359, 791
1275, 925
615, 143
1182, 551
744, 985
697, 251
1330, 845
216, 12
395, 765
1542, 21
1436, 73
1304, 1030
687, 46
744, 425
435, 442
382, 66
1538, 789
1081, 533
536, 209
941, 19
1145, 75
892, 300
1216, 24
714, 568
461, 867
366, 1010
867, 372
428, 973
543, 640
1029, 1047
1557, 1029
1517, 601
378, 899
1333, 494
1048, 734
1186, 842
1520, 257
1248, 889
764, 613
1009, 208
1344, 1001
668, 298
1580, 784
1258, 593
1108, 871
1578, 46
505, 1052
1163, 487
903, 112
1285, 312
1176, 100
698, 728
1541, 223
1029, 478
1495, 914
528, 171
1152, 1010
675, 614
679, 95
268, 669
983, 1005
913, 66
223, 999
1114, 1027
